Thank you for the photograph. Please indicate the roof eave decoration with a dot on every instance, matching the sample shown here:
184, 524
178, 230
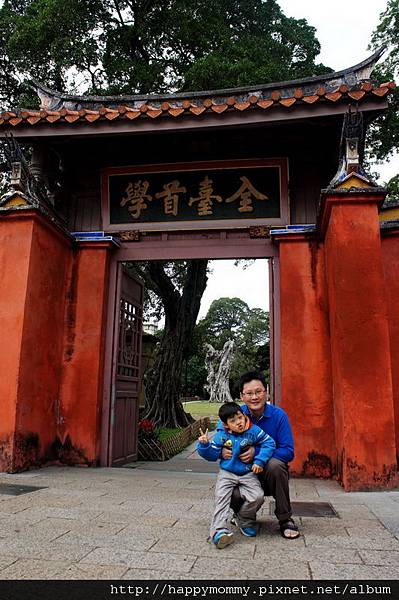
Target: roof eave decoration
26, 190
351, 85
351, 76
351, 175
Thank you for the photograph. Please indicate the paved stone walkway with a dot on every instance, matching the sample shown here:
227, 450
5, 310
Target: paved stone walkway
142, 523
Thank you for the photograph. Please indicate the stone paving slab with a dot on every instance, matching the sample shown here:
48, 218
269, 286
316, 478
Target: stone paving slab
136, 543
148, 574
146, 524
198, 534
188, 546
80, 513
83, 571
158, 506
191, 523
264, 569
380, 557
186, 465
5, 561
297, 555
195, 495
123, 556
138, 506
33, 569
363, 512
48, 500
366, 543
326, 570
312, 524
391, 523
95, 527
19, 518
27, 535
129, 517
52, 551
15, 504
143, 531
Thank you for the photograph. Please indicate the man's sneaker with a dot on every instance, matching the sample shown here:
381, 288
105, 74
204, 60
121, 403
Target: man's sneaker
249, 531
221, 539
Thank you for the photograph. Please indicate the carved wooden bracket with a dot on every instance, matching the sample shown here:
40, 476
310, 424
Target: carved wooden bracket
259, 231
128, 236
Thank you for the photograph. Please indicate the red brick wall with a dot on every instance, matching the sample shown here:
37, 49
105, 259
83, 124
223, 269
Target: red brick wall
390, 256
34, 258
305, 356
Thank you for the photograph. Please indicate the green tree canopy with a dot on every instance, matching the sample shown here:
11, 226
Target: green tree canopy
132, 46
224, 320
230, 318
384, 133
149, 46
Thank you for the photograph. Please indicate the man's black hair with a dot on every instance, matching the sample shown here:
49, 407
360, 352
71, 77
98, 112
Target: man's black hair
250, 376
229, 409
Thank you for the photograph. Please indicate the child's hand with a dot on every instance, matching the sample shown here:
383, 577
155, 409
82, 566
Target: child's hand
257, 469
203, 438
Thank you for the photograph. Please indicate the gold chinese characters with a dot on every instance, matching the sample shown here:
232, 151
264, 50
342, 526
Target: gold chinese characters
246, 193
136, 197
205, 198
171, 197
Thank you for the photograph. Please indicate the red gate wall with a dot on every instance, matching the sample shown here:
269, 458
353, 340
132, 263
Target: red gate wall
390, 259
34, 260
53, 306
79, 429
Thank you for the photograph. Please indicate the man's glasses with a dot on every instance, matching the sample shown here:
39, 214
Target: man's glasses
255, 393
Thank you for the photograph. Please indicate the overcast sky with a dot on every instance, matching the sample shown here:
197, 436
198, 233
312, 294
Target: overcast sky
344, 30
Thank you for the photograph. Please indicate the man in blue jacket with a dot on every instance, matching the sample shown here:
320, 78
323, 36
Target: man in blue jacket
274, 421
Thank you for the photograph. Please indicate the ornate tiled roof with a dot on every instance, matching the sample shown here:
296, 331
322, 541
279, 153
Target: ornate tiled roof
349, 85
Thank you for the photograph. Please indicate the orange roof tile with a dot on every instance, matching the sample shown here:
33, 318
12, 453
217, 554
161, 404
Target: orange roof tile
348, 85
343, 92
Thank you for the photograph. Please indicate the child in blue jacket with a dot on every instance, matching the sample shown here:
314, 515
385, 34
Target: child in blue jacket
236, 432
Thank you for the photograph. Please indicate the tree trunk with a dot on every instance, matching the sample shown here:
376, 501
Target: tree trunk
218, 363
163, 384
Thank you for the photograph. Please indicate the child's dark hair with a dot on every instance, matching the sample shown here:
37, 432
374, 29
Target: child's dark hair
229, 409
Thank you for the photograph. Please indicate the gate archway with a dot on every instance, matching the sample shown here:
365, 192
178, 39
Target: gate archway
65, 231
192, 247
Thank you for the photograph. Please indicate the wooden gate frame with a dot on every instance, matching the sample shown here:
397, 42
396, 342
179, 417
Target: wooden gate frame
191, 247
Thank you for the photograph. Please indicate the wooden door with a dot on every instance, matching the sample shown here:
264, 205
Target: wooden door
126, 369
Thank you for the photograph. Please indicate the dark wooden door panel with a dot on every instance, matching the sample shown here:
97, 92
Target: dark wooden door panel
127, 375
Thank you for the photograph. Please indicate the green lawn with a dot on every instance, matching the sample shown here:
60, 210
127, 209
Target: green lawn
197, 410
203, 409
165, 433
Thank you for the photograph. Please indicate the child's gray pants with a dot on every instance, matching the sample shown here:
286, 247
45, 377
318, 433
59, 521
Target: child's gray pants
250, 490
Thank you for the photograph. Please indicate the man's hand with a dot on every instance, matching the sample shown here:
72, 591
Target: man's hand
257, 469
203, 438
248, 455
226, 453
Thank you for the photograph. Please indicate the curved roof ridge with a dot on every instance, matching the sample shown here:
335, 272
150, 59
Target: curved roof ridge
54, 99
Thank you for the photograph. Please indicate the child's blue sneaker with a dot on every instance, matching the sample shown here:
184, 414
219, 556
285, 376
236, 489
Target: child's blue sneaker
221, 539
249, 531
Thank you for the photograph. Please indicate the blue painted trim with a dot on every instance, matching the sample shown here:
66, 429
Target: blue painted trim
290, 229
310, 226
88, 234
94, 236
392, 224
